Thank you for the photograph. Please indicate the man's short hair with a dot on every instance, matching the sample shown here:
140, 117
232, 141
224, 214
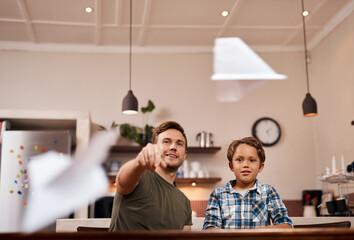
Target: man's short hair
164, 127
251, 141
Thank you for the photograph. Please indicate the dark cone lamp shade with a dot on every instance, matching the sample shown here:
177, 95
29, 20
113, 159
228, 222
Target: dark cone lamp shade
130, 103
309, 106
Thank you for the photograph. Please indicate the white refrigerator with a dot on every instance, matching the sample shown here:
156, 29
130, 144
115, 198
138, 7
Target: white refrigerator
16, 151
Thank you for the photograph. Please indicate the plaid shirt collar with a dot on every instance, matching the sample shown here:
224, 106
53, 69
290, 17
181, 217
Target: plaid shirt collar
228, 189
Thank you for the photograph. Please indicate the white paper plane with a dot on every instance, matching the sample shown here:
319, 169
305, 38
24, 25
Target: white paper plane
238, 70
59, 183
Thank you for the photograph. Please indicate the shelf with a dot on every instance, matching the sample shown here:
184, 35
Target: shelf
338, 178
137, 149
197, 180
181, 181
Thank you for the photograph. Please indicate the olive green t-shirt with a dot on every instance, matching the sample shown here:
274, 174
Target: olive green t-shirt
154, 204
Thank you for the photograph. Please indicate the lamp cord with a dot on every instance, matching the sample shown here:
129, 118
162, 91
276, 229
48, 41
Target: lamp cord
306, 64
130, 46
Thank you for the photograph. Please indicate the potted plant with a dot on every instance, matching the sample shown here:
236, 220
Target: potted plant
143, 135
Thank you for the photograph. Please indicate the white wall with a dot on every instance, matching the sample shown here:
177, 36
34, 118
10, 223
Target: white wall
180, 87
332, 84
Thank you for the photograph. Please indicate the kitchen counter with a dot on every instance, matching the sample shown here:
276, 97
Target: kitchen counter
70, 225
249, 234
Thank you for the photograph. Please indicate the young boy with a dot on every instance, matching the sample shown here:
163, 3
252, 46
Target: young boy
245, 202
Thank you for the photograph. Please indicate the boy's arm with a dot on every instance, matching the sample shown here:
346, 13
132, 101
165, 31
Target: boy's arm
212, 219
278, 211
187, 228
282, 225
130, 173
213, 228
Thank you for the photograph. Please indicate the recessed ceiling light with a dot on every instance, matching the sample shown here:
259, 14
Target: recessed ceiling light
305, 13
224, 13
88, 9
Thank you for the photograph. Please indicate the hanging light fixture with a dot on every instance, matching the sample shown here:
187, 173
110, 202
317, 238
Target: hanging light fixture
309, 105
130, 102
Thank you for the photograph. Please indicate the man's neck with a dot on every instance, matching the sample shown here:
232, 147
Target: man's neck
168, 176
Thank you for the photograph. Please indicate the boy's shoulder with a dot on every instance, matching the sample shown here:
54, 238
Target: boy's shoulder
266, 189
223, 189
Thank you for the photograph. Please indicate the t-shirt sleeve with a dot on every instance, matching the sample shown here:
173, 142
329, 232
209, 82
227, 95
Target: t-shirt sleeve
277, 209
212, 212
189, 217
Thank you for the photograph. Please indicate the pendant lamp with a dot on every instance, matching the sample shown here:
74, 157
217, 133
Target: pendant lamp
130, 102
309, 105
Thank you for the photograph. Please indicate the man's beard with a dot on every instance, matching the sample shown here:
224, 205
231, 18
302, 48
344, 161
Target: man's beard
173, 167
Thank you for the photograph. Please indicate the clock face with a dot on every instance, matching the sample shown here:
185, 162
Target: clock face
267, 131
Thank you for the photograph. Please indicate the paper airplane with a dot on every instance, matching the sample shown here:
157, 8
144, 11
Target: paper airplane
238, 70
59, 183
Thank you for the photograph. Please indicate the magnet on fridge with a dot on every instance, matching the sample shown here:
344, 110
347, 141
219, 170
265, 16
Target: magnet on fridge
36, 147
18, 155
21, 147
19, 192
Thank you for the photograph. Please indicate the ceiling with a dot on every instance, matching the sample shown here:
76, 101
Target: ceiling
165, 25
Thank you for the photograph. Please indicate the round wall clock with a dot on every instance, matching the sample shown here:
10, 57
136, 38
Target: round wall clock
267, 131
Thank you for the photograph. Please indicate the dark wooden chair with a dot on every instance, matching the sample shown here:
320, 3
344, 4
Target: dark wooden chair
343, 224
91, 229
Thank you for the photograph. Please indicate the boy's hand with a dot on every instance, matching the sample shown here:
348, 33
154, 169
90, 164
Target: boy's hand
150, 157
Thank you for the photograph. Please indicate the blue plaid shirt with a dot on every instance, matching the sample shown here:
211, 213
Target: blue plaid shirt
228, 209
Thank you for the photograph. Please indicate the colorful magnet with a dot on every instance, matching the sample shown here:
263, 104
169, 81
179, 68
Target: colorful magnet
16, 181
18, 175
11, 151
55, 141
25, 203
20, 162
25, 171
36, 147
21, 171
21, 147
18, 155
19, 192
11, 191
42, 149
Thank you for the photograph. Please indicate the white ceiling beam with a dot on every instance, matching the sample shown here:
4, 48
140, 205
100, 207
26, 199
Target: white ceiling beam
119, 13
145, 21
98, 28
30, 31
334, 22
227, 19
299, 28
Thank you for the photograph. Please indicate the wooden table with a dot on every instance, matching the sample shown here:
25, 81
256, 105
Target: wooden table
288, 234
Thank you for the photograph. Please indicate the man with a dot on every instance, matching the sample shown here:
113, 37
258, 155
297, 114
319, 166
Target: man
147, 197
